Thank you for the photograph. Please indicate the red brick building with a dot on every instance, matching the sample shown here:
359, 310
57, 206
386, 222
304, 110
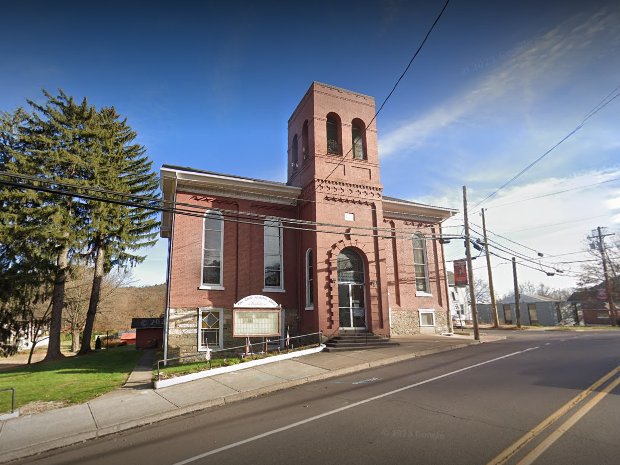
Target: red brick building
327, 246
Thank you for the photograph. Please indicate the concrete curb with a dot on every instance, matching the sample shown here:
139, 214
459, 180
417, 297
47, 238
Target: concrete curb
229, 369
36, 449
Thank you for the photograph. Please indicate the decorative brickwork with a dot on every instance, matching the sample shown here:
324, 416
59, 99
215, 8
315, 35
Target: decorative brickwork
341, 202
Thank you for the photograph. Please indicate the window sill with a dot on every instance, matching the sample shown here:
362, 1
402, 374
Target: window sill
310, 307
423, 294
212, 288
204, 349
427, 326
274, 289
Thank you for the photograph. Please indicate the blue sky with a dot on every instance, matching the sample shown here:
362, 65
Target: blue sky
496, 86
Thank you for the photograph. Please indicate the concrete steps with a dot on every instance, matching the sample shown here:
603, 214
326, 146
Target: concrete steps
357, 341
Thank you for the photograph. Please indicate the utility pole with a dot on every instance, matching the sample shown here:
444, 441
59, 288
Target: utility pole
491, 288
612, 308
517, 309
470, 271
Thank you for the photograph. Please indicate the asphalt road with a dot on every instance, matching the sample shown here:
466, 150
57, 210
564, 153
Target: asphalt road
468, 406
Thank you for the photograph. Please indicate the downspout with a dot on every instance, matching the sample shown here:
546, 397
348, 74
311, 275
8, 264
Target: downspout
168, 273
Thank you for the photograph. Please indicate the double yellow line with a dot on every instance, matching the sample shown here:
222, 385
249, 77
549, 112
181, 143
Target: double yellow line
553, 437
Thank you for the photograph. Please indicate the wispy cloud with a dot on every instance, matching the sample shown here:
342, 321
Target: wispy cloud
527, 72
552, 216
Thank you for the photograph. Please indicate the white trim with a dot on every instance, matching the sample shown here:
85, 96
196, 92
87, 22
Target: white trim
273, 289
256, 301
194, 180
426, 311
213, 287
220, 285
201, 348
422, 294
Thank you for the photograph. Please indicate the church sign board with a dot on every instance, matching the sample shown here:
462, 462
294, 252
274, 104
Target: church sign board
257, 316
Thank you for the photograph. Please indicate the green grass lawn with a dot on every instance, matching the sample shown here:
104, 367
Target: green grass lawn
72, 380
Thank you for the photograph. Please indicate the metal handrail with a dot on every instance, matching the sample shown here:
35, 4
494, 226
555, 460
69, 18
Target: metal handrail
12, 397
229, 349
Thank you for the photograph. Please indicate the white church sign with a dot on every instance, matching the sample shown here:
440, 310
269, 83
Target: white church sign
257, 316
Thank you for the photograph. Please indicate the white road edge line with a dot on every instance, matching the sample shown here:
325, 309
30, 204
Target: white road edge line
346, 407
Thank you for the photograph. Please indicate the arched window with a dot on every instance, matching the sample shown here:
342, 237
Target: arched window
357, 133
350, 267
294, 154
334, 134
351, 290
420, 264
309, 280
273, 256
213, 247
304, 141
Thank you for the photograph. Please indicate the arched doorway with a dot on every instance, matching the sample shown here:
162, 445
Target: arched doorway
351, 290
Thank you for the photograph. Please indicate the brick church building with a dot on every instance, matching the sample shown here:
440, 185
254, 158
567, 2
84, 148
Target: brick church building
327, 246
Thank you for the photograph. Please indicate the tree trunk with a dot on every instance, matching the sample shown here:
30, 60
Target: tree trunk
58, 302
94, 297
75, 340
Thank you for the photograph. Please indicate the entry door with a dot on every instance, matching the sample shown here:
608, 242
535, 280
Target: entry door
351, 305
351, 290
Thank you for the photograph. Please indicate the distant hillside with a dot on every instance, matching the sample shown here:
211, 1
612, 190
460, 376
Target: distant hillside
125, 303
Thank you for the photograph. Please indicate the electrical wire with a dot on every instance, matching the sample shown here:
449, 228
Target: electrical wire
589, 115
198, 211
552, 193
389, 95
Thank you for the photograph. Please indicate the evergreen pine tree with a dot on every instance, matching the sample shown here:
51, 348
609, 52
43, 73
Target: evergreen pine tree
117, 231
46, 227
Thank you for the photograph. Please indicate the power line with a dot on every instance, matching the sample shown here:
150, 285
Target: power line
557, 224
198, 210
389, 95
589, 115
553, 193
510, 240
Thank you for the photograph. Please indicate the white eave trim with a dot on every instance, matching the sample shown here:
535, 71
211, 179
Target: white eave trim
417, 209
281, 193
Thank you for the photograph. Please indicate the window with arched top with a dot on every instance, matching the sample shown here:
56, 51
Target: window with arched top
212, 249
351, 290
334, 134
420, 264
304, 141
294, 153
309, 280
273, 256
358, 133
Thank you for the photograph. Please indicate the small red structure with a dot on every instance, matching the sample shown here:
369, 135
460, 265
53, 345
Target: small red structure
128, 338
149, 332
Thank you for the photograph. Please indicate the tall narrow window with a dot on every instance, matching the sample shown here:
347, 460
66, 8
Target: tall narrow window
304, 141
273, 255
357, 132
213, 244
333, 134
294, 155
420, 264
309, 281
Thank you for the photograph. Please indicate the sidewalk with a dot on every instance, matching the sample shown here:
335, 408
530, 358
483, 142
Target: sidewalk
137, 404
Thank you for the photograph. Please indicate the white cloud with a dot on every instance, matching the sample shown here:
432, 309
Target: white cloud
519, 86
550, 224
